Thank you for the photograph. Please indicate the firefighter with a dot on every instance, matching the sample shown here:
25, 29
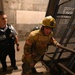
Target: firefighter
36, 44
8, 38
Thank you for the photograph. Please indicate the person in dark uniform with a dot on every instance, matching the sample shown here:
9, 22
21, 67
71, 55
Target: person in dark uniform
36, 44
8, 39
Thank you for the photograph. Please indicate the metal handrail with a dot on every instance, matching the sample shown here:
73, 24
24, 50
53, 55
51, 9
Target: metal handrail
61, 65
66, 48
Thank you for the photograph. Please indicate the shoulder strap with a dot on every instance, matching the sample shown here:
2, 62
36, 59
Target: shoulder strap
8, 25
8, 31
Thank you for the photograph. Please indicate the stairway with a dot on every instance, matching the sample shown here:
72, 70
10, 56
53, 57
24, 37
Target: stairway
41, 70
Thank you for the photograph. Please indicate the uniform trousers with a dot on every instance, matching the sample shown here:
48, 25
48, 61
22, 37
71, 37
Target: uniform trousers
10, 51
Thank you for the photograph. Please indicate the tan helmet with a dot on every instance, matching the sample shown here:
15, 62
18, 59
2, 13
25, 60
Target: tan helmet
49, 21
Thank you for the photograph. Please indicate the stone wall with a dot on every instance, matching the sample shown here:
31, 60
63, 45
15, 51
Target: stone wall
13, 7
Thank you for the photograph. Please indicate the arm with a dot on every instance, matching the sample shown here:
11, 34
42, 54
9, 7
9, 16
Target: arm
17, 43
55, 43
27, 49
15, 34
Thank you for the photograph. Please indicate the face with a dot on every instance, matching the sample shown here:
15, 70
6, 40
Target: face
47, 31
3, 20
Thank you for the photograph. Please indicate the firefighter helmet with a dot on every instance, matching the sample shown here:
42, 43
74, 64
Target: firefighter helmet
49, 21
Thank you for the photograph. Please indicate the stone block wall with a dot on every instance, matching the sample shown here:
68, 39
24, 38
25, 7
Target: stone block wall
12, 6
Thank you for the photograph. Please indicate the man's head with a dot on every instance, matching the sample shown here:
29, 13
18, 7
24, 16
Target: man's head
3, 19
48, 24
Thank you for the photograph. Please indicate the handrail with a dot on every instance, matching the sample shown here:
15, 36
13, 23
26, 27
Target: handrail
66, 69
61, 65
66, 48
